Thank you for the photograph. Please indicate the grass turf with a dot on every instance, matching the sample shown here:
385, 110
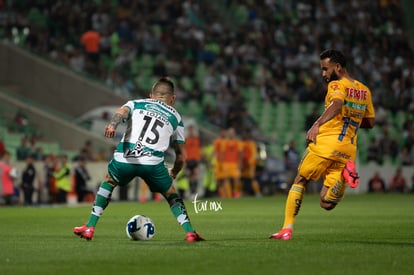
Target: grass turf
365, 234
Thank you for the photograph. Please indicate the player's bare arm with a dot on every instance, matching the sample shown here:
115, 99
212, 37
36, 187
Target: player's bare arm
367, 123
331, 111
120, 115
180, 156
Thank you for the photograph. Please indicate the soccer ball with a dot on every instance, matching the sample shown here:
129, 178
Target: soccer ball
140, 228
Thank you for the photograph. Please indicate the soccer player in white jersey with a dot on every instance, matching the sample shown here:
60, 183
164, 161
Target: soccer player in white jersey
151, 125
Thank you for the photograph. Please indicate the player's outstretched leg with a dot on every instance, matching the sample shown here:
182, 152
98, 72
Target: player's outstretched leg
102, 198
180, 213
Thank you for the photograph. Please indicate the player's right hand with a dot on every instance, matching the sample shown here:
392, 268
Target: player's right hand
109, 131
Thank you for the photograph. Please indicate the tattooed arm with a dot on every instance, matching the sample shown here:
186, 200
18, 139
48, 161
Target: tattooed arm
120, 115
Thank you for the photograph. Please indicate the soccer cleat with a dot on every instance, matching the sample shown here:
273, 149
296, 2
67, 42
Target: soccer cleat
84, 232
284, 234
350, 174
193, 237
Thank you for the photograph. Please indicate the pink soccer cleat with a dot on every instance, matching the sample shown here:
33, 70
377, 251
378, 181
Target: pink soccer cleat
285, 234
193, 237
84, 232
350, 174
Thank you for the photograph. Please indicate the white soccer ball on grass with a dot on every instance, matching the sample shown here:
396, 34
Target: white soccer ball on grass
140, 228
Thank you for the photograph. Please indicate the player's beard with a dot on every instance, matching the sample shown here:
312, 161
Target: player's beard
332, 77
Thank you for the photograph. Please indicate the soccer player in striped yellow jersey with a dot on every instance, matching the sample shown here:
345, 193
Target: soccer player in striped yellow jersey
332, 140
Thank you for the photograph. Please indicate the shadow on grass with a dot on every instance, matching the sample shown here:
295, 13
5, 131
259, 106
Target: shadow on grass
377, 242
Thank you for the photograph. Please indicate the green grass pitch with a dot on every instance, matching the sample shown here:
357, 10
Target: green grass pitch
365, 234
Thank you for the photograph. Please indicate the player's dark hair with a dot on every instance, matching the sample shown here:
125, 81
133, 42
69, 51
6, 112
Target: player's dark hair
165, 80
334, 56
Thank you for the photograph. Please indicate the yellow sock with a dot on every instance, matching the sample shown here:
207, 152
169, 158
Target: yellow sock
256, 187
293, 203
237, 187
228, 189
142, 193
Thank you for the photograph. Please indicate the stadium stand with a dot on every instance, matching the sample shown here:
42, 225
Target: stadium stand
270, 47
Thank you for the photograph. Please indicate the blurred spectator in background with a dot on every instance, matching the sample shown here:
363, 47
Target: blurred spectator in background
23, 151
193, 150
406, 158
376, 184
398, 182
291, 159
209, 181
102, 155
218, 145
388, 144
38, 154
86, 152
412, 183
182, 182
231, 156
90, 40
81, 178
2, 148
50, 166
374, 152
28, 181
248, 169
21, 122
8, 175
63, 179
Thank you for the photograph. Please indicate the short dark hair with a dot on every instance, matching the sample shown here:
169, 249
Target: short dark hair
335, 56
167, 81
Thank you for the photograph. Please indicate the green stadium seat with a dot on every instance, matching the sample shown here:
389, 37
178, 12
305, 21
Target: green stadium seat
147, 61
200, 73
108, 63
187, 83
209, 99
145, 82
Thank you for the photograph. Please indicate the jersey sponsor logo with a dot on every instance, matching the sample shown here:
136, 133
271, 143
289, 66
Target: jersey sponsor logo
137, 152
334, 86
157, 109
341, 154
357, 94
356, 106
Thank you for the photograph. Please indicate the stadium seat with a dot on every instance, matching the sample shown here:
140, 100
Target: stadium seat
209, 99
200, 73
187, 83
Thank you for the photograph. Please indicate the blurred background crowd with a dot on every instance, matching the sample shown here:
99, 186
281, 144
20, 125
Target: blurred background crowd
223, 55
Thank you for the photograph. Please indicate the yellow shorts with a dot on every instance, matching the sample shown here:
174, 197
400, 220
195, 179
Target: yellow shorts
231, 170
313, 167
219, 171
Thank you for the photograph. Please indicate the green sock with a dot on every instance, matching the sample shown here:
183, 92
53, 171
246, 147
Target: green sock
102, 198
180, 213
